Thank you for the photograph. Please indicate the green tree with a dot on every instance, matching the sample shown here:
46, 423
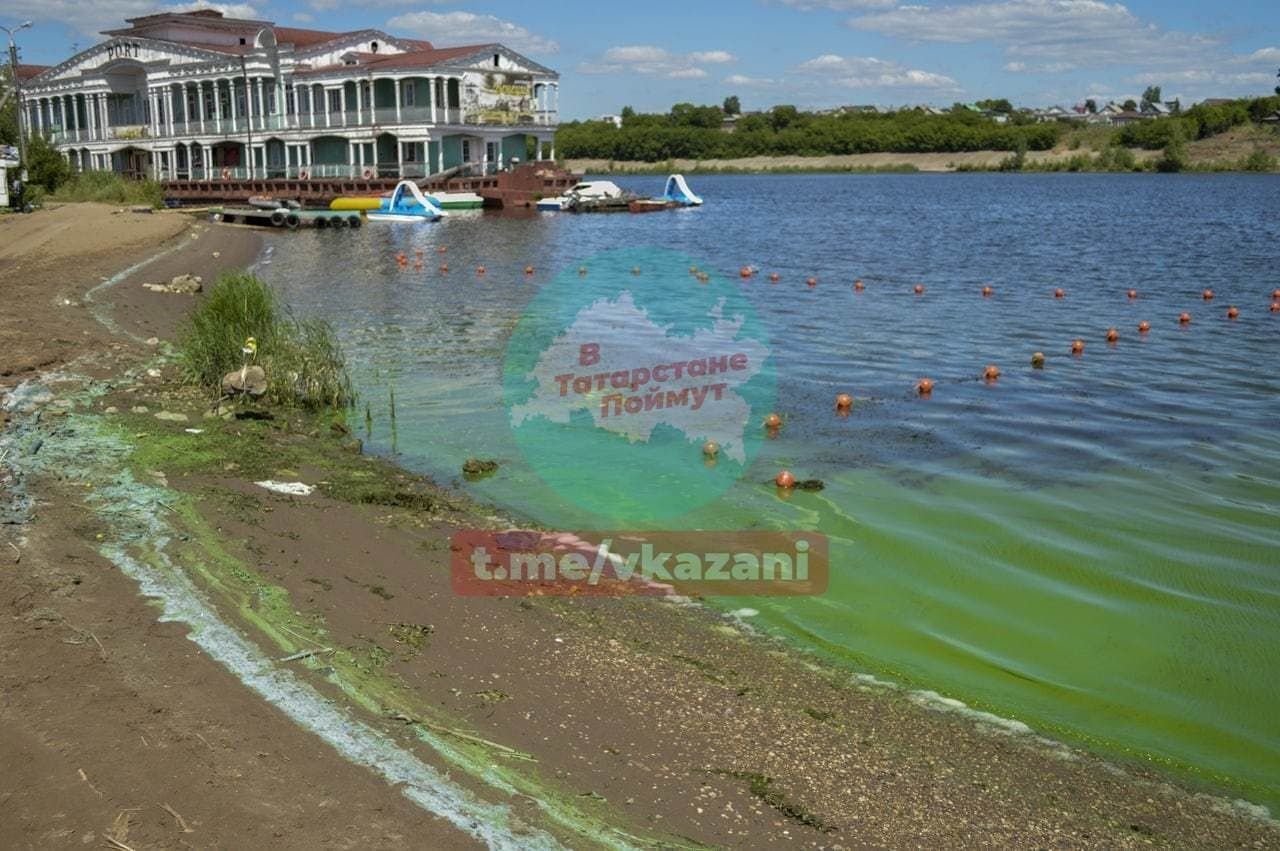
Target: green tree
46, 166
9, 113
1092, 106
995, 105
1130, 105
732, 106
782, 117
627, 115
1151, 95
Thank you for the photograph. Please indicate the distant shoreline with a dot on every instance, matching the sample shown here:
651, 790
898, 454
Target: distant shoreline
1059, 159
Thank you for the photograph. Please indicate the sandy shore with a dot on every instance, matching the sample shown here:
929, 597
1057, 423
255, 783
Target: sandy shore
585, 722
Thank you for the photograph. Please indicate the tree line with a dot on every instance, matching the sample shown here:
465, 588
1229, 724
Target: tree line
697, 132
690, 131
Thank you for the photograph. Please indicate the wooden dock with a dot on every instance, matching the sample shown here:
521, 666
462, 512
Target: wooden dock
519, 187
288, 219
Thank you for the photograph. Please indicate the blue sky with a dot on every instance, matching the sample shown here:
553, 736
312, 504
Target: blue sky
811, 53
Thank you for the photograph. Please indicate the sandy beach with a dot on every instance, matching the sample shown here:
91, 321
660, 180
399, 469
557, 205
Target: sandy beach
626, 722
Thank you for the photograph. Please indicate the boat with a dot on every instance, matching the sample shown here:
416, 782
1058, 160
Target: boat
457, 200
591, 194
266, 202
406, 204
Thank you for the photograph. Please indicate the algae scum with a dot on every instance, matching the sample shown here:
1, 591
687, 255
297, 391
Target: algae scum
156, 536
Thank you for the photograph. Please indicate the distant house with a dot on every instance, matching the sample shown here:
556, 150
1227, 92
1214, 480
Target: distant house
869, 108
1155, 110
1112, 108
1273, 118
1128, 116
1216, 101
1055, 113
615, 120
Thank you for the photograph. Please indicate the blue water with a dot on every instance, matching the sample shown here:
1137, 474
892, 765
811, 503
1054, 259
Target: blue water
1092, 548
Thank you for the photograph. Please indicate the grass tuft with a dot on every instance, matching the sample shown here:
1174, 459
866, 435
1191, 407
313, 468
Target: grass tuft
303, 360
105, 187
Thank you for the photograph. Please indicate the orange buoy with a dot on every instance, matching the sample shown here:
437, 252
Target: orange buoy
924, 386
1077, 347
418, 265
1184, 319
812, 282
1233, 312
711, 449
1275, 295
987, 291
1133, 294
480, 270
417, 252
1208, 295
1112, 335
773, 421
528, 270
442, 249
844, 402
1037, 360
919, 289
401, 258
444, 268
1275, 306
858, 286
774, 278
745, 272
785, 480
1059, 293
991, 373
1144, 326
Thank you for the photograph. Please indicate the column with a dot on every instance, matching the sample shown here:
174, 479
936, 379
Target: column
262, 108
88, 116
432, 89
484, 155
398, 99
553, 149
232, 102
359, 102
324, 97
171, 123
440, 155
217, 105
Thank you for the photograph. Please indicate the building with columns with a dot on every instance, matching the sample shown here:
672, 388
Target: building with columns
196, 95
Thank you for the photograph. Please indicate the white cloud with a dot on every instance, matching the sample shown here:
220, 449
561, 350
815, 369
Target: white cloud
304, 17
446, 28
750, 82
228, 10
1202, 77
653, 61
1081, 32
1270, 55
90, 19
867, 72
1042, 68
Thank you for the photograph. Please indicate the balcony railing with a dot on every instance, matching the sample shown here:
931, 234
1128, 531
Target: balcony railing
381, 117
317, 171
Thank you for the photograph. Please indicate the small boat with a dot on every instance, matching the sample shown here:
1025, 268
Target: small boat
589, 194
457, 200
407, 204
266, 202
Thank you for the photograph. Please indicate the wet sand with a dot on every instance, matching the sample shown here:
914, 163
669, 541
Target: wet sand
668, 723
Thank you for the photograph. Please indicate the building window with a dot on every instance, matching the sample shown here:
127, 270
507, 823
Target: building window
290, 101
373, 47
497, 60
466, 150
335, 100
410, 93
410, 152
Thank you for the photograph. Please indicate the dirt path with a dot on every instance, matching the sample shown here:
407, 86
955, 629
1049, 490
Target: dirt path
660, 721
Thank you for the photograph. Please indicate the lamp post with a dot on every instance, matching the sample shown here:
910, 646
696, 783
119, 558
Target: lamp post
17, 89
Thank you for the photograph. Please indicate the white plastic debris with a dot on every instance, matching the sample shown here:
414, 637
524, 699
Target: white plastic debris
289, 488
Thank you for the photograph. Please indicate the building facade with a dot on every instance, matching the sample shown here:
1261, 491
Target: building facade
195, 95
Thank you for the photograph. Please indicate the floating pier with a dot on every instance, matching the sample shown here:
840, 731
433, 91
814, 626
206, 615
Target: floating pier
286, 218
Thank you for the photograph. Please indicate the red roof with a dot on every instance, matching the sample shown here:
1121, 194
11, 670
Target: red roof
26, 72
415, 59
304, 38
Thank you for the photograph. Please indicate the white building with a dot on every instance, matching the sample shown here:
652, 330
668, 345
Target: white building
186, 95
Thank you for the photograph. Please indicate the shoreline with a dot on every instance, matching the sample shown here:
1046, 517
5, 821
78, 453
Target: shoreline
820, 756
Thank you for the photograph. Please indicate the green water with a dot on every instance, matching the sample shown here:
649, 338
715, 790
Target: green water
1092, 549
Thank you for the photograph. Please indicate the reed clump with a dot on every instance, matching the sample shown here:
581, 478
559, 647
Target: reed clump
303, 360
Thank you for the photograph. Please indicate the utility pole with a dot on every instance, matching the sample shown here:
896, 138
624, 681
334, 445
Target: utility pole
17, 91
